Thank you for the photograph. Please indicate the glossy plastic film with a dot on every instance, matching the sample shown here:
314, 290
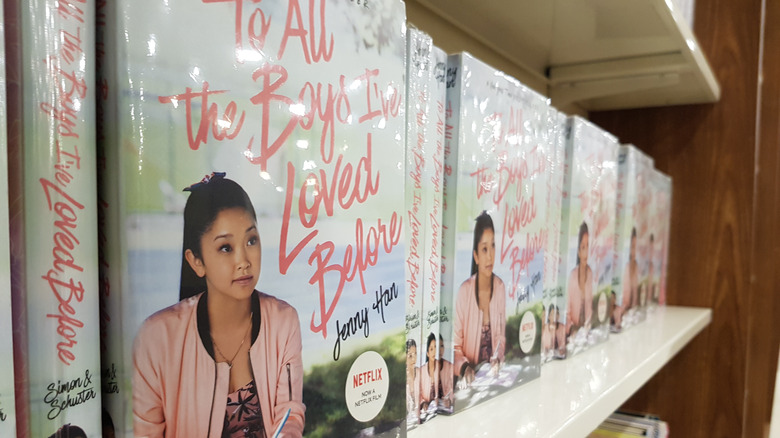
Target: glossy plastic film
554, 298
302, 104
581, 219
627, 268
495, 199
418, 97
57, 275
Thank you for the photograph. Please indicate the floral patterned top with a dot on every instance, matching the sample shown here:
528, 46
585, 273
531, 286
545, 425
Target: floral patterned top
485, 344
243, 418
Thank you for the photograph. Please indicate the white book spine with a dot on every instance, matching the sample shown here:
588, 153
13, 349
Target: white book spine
434, 181
449, 197
418, 71
60, 280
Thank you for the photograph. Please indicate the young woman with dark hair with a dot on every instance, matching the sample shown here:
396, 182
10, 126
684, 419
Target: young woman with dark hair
480, 308
579, 308
225, 358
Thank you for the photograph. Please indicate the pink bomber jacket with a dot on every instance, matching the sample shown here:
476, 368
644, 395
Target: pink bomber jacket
580, 302
468, 323
180, 391
428, 384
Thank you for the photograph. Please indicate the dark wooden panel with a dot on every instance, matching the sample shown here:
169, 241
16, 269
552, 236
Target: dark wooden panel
764, 304
709, 151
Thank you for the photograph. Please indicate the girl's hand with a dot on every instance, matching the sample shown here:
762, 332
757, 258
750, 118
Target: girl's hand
495, 365
468, 375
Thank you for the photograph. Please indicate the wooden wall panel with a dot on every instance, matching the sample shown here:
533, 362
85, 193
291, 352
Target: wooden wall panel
764, 302
709, 151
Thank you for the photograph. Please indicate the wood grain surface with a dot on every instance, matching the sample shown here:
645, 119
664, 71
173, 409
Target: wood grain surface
764, 301
710, 152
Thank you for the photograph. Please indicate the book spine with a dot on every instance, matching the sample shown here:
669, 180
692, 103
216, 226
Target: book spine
7, 397
435, 181
417, 67
59, 277
566, 209
667, 229
552, 259
453, 83
115, 375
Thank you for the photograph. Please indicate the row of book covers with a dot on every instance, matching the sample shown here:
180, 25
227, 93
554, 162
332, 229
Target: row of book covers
271, 218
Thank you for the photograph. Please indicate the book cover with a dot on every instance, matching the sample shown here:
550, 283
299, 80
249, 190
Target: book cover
418, 72
660, 209
7, 398
494, 217
295, 112
605, 199
578, 225
553, 329
626, 277
54, 218
645, 235
655, 225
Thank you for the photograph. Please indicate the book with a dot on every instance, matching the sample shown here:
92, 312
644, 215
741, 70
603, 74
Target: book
666, 207
418, 72
553, 337
579, 212
622, 424
605, 199
426, 98
494, 217
644, 233
626, 280
434, 181
116, 372
7, 395
52, 194
656, 223
301, 107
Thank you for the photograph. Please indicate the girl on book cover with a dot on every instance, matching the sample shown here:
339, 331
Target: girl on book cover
651, 271
445, 379
226, 358
548, 331
630, 282
412, 384
480, 308
429, 378
580, 288
552, 335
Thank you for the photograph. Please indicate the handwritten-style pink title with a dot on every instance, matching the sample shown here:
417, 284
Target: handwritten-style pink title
329, 105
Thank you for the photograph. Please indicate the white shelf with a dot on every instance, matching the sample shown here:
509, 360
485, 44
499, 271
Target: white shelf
598, 54
572, 397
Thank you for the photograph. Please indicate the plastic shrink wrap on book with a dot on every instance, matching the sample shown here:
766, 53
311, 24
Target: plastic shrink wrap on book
302, 106
52, 89
553, 336
581, 219
494, 225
